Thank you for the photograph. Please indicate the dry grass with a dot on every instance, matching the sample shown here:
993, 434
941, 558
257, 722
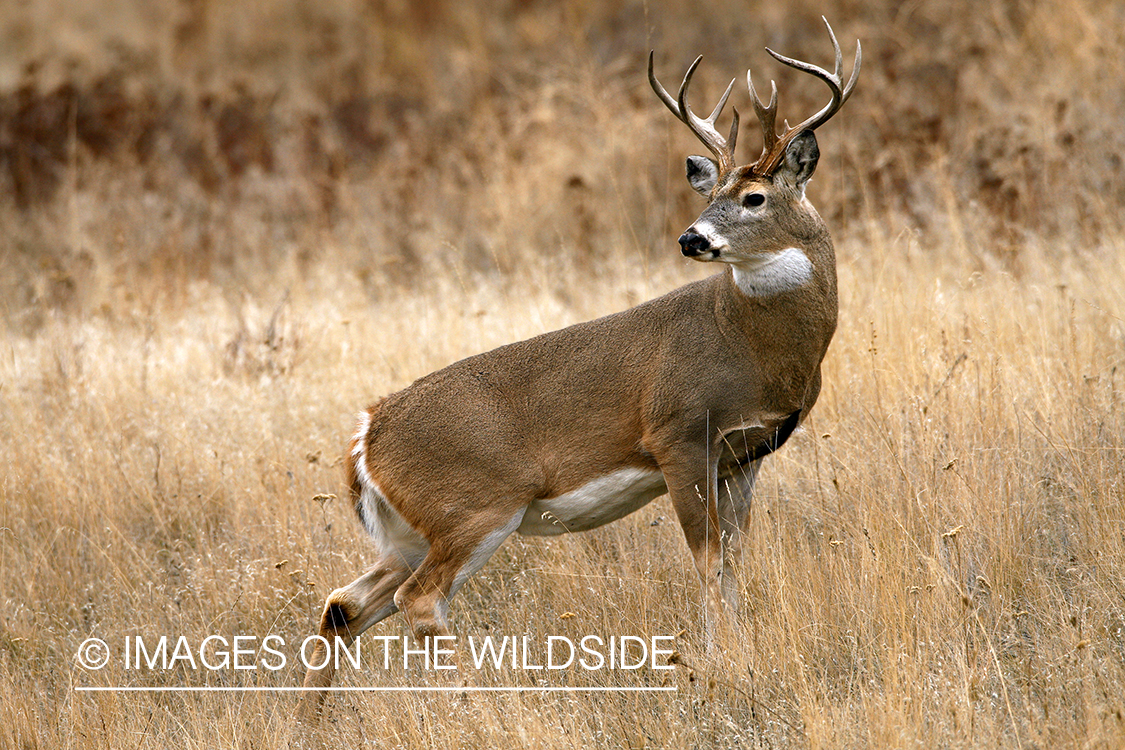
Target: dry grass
191, 320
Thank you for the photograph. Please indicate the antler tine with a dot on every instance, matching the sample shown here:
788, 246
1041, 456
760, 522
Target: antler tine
704, 129
732, 139
833, 80
767, 114
661, 92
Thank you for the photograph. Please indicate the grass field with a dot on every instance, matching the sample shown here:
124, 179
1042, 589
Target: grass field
226, 229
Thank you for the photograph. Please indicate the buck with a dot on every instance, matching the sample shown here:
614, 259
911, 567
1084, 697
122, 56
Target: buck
570, 430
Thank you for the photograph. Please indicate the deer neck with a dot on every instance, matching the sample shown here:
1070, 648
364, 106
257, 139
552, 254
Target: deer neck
785, 298
783, 335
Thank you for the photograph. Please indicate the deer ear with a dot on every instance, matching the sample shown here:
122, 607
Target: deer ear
702, 174
801, 156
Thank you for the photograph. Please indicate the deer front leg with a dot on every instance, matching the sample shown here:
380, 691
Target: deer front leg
694, 495
735, 492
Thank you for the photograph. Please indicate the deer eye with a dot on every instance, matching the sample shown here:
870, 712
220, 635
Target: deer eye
753, 200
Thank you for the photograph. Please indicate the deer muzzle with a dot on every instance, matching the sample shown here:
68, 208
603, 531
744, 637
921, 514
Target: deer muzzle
693, 245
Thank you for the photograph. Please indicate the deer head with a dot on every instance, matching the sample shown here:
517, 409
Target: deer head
759, 209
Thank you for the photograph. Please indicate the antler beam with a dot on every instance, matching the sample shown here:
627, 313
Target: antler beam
704, 130
774, 145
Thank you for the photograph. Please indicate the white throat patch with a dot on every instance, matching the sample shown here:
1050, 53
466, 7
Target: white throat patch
773, 273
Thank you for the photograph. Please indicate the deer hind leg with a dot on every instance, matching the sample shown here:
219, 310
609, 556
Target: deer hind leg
348, 612
451, 560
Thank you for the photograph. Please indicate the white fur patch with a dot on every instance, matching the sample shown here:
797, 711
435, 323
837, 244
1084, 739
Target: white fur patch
360, 438
595, 503
773, 273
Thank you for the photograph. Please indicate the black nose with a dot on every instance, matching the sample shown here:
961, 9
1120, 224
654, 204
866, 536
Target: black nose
693, 245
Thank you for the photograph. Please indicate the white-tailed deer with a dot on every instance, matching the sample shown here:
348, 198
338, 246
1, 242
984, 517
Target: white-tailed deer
572, 429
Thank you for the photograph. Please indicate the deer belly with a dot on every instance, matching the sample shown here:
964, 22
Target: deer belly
595, 503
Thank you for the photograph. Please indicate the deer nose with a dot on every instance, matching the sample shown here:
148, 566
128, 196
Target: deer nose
693, 245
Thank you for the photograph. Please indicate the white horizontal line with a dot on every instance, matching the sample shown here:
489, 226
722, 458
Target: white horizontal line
373, 689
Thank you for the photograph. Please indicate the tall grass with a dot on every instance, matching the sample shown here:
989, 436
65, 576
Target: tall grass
193, 316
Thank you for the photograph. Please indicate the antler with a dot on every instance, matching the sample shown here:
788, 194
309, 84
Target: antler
773, 147
704, 129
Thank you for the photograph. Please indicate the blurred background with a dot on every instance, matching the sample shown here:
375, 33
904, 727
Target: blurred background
225, 227
243, 143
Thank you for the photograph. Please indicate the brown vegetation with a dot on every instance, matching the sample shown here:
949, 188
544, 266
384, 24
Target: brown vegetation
228, 226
